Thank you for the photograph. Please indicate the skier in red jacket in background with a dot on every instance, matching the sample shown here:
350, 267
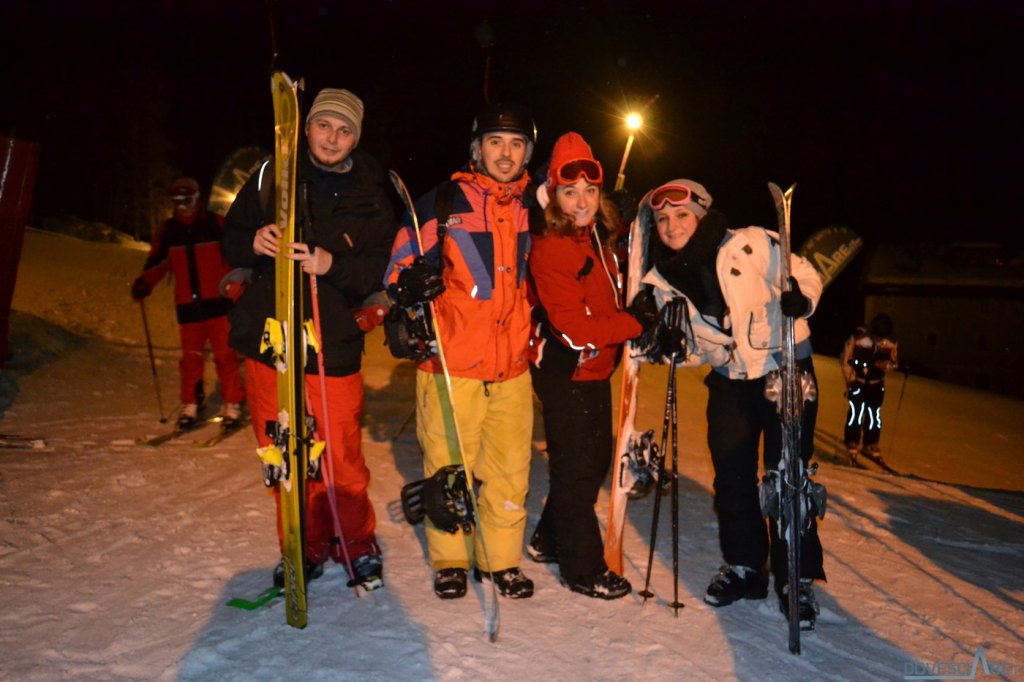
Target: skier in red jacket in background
188, 245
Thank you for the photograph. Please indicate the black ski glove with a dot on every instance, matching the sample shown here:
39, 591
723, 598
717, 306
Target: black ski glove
793, 302
419, 283
140, 289
645, 309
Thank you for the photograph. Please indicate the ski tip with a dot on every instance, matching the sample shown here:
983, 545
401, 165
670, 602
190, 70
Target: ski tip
777, 191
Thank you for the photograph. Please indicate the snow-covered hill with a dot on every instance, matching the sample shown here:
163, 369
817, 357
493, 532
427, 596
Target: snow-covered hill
116, 559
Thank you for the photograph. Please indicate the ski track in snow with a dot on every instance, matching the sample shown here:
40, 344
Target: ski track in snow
117, 559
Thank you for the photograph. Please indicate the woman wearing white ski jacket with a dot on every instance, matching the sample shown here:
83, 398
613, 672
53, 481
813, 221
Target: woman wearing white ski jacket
733, 316
747, 270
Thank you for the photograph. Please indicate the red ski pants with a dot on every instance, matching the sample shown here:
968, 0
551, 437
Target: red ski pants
194, 336
343, 463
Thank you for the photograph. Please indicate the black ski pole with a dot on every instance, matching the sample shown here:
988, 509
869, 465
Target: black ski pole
676, 604
656, 513
152, 362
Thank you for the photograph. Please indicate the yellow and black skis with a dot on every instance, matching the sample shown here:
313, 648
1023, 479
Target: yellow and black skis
284, 336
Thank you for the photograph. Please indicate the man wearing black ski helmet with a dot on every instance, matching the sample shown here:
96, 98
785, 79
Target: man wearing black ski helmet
494, 149
475, 241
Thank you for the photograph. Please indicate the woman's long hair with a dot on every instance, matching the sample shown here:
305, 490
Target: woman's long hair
609, 221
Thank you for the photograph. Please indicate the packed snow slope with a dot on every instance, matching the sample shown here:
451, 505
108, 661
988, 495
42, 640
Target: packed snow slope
116, 560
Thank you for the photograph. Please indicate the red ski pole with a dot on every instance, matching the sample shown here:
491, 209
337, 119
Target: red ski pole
332, 499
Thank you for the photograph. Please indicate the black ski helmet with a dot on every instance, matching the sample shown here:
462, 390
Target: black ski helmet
505, 117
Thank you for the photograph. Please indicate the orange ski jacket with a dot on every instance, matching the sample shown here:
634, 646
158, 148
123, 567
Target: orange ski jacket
483, 314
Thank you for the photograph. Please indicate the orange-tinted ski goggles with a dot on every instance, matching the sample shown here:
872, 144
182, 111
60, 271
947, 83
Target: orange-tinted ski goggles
676, 195
571, 171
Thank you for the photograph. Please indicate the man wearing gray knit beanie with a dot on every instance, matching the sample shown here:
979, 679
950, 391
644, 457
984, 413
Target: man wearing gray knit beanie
333, 126
350, 225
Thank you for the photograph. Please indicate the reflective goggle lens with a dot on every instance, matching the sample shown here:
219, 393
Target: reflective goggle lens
570, 172
677, 195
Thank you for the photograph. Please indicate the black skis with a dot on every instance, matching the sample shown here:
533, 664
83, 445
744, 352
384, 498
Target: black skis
10, 441
175, 433
225, 432
793, 478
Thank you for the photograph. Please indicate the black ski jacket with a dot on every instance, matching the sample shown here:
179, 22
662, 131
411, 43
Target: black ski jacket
353, 217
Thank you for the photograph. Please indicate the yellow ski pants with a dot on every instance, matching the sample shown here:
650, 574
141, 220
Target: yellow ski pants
496, 427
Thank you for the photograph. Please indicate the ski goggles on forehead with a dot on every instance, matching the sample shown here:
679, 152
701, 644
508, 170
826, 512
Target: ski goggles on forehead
188, 200
571, 171
676, 195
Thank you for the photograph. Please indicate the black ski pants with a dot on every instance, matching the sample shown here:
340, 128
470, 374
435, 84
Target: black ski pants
577, 422
738, 416
864, 413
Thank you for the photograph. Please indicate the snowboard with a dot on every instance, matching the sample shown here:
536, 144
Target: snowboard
627, 437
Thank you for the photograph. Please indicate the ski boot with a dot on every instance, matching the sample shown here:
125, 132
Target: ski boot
808, 605
540, 553
734, 583
608, 585
188, 418
450, 583
369, 572
511, 582
230, 416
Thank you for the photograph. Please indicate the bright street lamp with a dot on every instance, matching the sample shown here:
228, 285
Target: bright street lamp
633, 122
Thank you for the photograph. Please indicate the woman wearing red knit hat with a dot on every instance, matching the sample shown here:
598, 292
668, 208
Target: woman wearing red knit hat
579, 328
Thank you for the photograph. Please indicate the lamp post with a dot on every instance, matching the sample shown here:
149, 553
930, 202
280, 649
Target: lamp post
633, 123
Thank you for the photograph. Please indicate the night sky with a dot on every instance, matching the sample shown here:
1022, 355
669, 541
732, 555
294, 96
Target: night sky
899, 119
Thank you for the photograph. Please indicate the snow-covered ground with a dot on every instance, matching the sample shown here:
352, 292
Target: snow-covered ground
116, 559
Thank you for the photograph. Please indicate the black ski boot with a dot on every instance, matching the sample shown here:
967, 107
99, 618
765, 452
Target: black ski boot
450, 583
188, 418
231, 416
511, 582
734, 583
808, 605
369, 572
539, 552
608, 585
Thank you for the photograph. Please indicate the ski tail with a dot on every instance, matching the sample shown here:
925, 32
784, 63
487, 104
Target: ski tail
492, 615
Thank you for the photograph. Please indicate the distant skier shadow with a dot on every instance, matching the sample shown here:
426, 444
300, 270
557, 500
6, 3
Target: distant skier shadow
973, 544
258, 645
